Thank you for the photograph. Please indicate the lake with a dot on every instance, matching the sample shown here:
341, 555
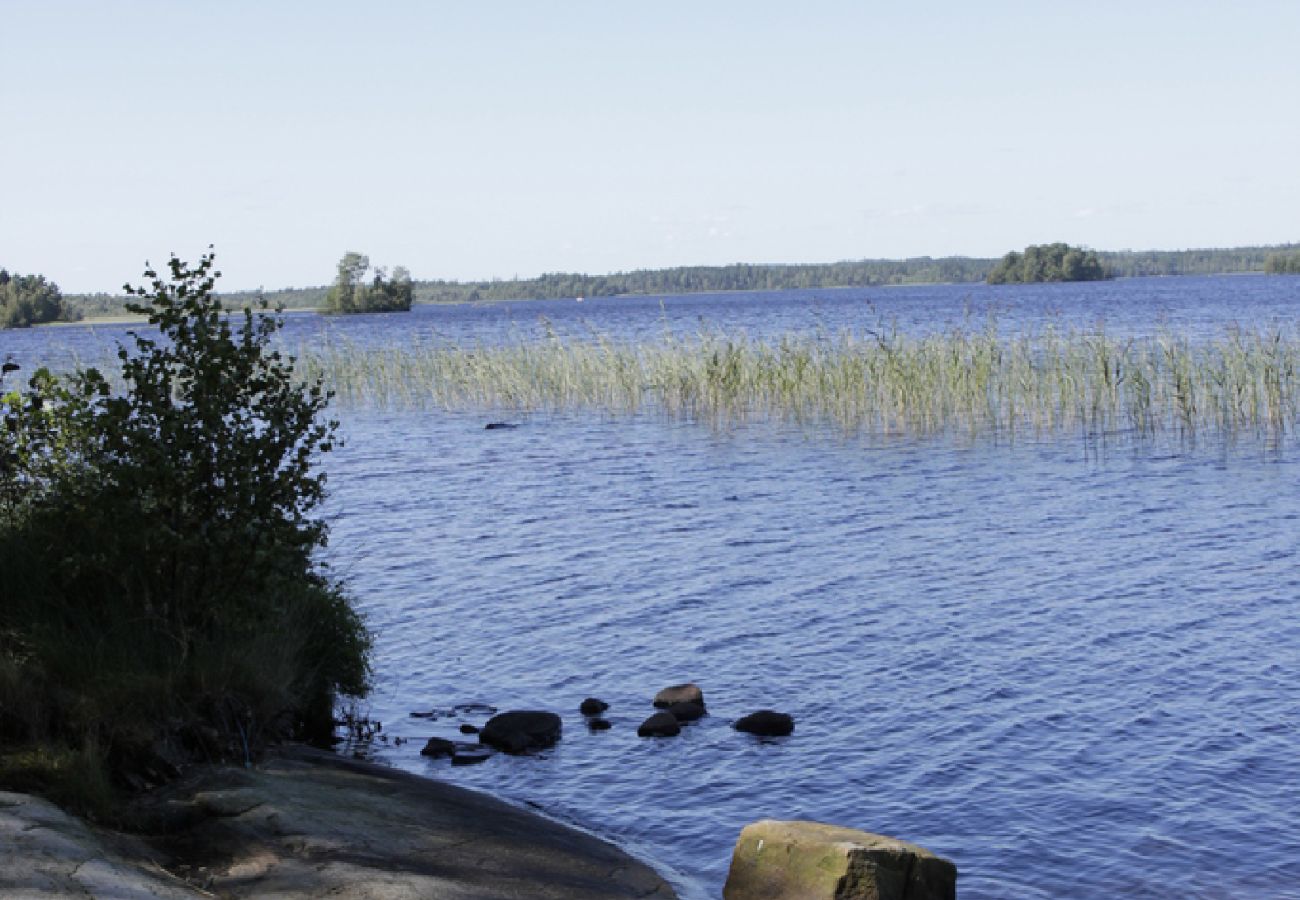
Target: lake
1072, 669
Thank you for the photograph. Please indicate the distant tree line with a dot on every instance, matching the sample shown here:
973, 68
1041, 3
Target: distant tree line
741, 277
30, 300
700, 279
1283, 263
1048, 262
1214, 261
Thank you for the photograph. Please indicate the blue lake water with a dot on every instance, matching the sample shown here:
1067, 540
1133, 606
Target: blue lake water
1074, 671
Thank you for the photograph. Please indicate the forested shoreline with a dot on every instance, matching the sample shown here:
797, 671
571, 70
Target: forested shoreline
1273, 259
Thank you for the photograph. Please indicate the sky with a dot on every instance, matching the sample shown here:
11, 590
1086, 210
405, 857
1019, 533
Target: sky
502, 139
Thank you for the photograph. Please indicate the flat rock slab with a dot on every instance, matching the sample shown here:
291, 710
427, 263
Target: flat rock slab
46, 853
811, 861
308, 824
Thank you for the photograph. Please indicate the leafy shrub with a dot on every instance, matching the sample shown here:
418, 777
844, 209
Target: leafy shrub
157, 544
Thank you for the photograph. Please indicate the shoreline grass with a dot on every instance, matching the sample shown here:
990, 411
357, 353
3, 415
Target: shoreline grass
961, 380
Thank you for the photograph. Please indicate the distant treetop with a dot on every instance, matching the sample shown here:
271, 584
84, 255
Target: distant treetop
1283, 263
1048, 262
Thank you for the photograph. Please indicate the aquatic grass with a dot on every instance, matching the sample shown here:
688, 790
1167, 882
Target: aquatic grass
973, 381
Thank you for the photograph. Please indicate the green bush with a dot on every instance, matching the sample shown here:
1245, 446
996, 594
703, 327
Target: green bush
157, 545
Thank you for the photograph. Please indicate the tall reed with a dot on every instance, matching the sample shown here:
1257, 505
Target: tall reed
968, 380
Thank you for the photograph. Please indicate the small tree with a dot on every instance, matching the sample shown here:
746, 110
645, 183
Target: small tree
164, 534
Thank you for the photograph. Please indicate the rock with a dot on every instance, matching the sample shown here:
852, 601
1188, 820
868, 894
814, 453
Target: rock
765, 723
679, 693
661, 724
519, 731
687, 711
599, 724
496, 426
468, 729
593, 707
811, 861
439, 747
470, 754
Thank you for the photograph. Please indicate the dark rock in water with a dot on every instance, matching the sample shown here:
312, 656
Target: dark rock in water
687, 711
679, 693
661, 724
599, 724
593, 707
765, 723
519, 731
468, 729
439, 747
494, 426
431, 714
470, 754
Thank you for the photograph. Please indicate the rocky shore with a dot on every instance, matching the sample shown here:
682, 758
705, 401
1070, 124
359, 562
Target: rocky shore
308, 824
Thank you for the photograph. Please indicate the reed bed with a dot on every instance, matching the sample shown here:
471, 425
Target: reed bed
962, 380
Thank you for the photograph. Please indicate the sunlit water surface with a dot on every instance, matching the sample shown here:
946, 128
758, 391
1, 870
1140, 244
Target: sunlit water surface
1070, 667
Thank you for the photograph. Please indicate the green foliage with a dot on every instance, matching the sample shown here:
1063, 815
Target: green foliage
29, 300
1209, 261
157, 543
1283, 264
1048, 262
351, 294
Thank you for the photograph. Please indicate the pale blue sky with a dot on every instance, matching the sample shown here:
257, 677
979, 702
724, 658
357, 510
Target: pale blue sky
472, 140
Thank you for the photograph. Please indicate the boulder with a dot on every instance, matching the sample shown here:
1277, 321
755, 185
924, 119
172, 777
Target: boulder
466, 728
593, 706
661, 724
599, 724
679, 693
438, 747
765, 723
811, 861
687, 711
519, 731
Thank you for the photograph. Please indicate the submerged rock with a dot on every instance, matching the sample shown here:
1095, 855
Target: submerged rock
470, 754
599, 724
593, 706
439, 747
519, 731
811, 861
466, 728
687, 711
679, 693
496, 426
661, 724
766, 723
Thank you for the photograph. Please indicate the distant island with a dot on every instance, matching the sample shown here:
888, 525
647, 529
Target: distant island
1048, 262
31, 300
756, 277
350, 292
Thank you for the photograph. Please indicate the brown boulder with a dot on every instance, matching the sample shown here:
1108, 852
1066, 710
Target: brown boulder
679, 693
811, 861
